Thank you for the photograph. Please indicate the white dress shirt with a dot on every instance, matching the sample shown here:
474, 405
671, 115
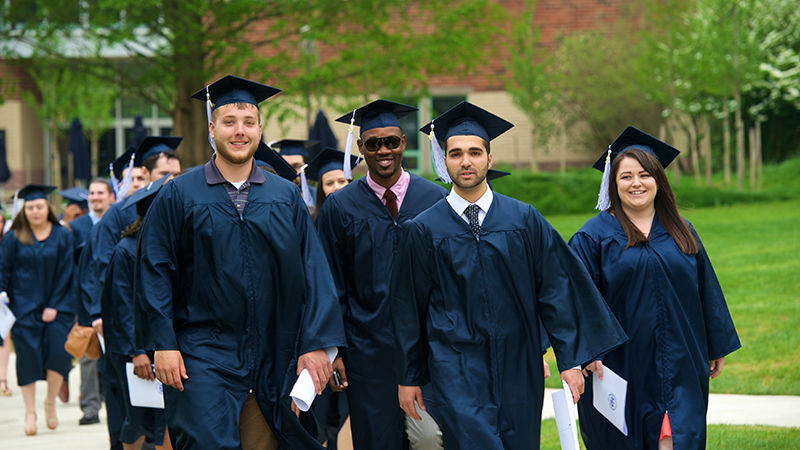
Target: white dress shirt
459, 205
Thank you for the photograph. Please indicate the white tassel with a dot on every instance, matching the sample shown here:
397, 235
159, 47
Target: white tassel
307, 197
125, 185
114, 180
603, 202
208, 115
15, 206
271, 143
438, 158
348, 171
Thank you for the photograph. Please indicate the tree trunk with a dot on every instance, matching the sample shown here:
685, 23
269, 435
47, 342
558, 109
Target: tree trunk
95, 153
563, 150
726, 145
751, 138
55, 157
189, 118
760, 159
739, 124
695, 151
705, 145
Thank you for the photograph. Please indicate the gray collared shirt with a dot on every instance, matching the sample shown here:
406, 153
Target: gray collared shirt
238, 196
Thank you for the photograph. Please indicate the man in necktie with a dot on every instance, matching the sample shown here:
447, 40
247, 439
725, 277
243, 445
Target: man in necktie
475, 275
359, 227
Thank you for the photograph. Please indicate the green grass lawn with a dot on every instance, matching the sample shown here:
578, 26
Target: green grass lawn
719, 437
755, 250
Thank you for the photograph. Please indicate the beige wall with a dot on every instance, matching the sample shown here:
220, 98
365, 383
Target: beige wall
24, 144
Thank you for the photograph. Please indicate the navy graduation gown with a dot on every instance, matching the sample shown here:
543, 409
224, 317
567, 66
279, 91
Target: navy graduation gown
95, 256
39, 276
672, 307
466, 312
360, 238
80, 232
241, 297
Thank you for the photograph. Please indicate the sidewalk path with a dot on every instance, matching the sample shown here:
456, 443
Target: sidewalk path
723, 409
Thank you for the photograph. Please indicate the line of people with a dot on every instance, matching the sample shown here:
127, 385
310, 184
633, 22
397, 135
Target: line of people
440, 303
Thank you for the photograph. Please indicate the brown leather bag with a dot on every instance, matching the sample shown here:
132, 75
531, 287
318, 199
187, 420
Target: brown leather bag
82, 341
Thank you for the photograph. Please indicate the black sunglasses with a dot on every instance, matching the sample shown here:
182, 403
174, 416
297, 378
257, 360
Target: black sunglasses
374, 144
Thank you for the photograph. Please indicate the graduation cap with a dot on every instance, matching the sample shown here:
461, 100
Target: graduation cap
76, 196
35, 191
464, 119
232, 89
631, 137
121, 163
293, 146
378, 114
155, 145
145, 196
492, 174
636, 138
327, 160
265, 156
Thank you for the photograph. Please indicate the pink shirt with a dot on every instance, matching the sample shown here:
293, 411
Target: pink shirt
399, 188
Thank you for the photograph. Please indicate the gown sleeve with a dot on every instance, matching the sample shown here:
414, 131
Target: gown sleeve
720, 332
323, 325
410, 290
62, 295
157, 266
578, 321
330, 228
585, 247
7, 246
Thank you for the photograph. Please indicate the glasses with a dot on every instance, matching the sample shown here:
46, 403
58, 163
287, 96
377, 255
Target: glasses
374, 144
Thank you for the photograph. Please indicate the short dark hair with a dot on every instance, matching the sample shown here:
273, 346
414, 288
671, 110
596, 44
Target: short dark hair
150, 163
104, 182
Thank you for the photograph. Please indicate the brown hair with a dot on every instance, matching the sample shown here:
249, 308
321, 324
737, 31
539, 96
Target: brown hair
104, 182
22, 228
665, 205
132, 229
319, 200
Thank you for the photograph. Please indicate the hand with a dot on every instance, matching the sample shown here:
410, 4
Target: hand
407, 395
546, 368
319, 367
142, 367
595, 366
97, 324
169, 368
295, 409
338, 366
715, 367
49, 315
574, 379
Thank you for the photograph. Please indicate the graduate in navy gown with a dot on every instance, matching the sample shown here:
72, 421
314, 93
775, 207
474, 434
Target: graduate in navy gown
652, 269
117, 311
359, 227
473, 278
237, 293
36, 272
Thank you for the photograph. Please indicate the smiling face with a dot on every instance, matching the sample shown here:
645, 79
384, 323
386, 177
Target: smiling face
467, 161
385, 164
236, 130
36, 212
100, 197
636, 187
332, 181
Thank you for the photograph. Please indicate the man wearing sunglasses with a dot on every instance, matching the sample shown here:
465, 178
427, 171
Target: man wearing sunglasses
359, 227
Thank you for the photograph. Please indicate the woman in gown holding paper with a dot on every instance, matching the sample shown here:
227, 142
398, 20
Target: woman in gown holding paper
117, 309
36, 272
654, 273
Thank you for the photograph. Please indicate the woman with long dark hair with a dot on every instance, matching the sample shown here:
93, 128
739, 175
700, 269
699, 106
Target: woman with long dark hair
652, 269
327, 169
36, 272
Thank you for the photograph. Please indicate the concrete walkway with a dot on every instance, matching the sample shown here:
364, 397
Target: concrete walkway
723, 409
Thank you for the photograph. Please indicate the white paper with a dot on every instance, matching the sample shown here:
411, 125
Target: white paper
303, 392
608, 398
102, 343
144, 393
7, 318
566, 412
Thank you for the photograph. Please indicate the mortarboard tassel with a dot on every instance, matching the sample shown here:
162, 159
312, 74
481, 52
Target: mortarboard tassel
114, 180
348, 171
15, 205
208, 114
438, 158
603, 203
125, 185
307, 197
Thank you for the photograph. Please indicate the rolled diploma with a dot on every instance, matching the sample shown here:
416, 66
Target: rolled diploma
303, 392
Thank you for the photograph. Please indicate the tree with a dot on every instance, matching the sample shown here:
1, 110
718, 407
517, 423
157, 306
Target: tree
171, 48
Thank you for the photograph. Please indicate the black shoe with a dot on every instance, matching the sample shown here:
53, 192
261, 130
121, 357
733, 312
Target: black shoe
89, 419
